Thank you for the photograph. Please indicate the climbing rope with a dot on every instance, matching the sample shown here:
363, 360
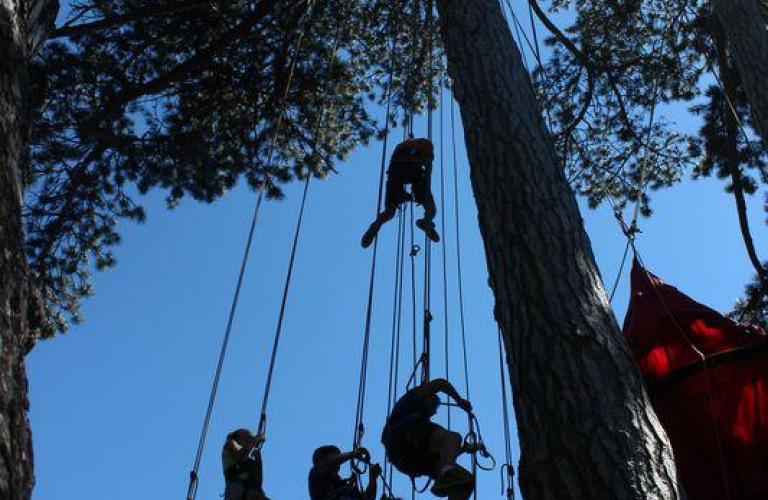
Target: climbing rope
281, 316
459, 272
630, 231
446, 336
507, 470
472, 433
425, 358
359, 429
193, 474
320, 118
521, 34
394, 355
415, 249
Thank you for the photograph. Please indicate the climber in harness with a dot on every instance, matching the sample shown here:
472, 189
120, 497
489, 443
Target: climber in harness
325, 482
411, 163
242, 466
416, 446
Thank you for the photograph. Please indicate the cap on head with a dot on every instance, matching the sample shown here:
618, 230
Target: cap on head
323, 452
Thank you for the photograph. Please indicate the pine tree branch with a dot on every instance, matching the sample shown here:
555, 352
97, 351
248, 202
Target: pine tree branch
193, 63
732, 158
152, 11
592, 70
580, 57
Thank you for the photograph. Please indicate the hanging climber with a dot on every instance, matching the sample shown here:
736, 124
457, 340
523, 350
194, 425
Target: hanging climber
411, 163
242, 466
325, 482
416, 446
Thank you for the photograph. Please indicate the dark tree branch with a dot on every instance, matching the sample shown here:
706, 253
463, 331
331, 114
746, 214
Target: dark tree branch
189, 66
151, 11
571, 47
732, 159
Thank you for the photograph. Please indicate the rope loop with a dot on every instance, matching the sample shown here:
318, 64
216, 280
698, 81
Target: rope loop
364, 459
422, 489
507, 473
475, 446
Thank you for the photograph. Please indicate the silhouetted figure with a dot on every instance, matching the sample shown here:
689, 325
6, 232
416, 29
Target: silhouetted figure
416, 446
411, 163
241, 459
325, 482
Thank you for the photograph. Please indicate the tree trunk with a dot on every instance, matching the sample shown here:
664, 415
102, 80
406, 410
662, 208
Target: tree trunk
747, 35
22, 28
586, 426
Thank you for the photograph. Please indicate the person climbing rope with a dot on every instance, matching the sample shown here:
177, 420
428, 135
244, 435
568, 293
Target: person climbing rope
325, 482
241, 459
416, 446
411, 163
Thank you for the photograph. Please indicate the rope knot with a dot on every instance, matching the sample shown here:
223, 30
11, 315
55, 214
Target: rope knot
629, 230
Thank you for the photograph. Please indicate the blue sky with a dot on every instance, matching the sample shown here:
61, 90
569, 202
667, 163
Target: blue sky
117, 403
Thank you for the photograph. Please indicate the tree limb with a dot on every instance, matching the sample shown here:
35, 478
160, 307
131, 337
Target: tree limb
571, 47
184, 69
152, 11
732, 159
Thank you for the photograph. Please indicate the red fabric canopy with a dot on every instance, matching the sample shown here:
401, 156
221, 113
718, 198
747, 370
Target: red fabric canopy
715, 410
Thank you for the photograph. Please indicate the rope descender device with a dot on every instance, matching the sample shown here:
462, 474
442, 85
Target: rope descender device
475, 446
364, 459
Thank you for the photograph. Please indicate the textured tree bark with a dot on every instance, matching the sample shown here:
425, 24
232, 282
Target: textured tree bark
23, 25
586, 426
747, 35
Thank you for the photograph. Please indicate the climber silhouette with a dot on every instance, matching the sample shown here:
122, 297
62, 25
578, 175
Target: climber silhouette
325, 482
241, 459
411, 163
416, 446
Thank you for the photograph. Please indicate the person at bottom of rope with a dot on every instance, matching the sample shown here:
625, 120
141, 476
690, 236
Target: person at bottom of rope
411, 163
416, 446
325, 482
241, 459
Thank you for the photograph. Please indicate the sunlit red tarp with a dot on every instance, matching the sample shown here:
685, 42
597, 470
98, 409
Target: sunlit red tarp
714, 411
